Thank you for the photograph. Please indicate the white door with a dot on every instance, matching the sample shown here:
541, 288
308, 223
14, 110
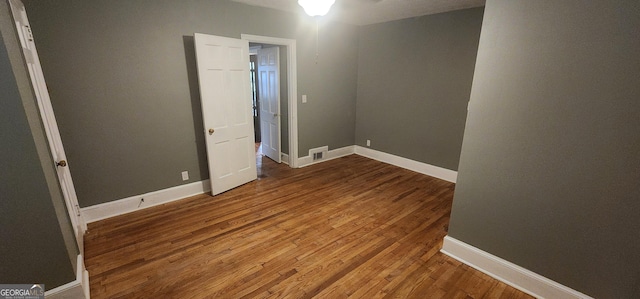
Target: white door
225, 91
49, 120
269, 80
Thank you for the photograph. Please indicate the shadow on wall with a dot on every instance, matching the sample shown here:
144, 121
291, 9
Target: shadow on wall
196, 107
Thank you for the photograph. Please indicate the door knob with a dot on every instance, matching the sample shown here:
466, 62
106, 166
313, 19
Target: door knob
62, 163
211, 131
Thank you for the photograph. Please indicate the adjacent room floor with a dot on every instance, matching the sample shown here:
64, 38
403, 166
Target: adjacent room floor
349, 227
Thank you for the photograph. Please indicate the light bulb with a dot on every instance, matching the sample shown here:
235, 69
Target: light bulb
316, 7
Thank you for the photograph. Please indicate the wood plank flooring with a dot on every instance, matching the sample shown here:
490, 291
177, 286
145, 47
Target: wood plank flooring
350, 227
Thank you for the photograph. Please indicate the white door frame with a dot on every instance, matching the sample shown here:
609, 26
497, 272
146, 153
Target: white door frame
292, 86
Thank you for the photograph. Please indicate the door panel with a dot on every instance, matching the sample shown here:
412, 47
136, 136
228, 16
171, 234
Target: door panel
223, 75
269, 74
238, 93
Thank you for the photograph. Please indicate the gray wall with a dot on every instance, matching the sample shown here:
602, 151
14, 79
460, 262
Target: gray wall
414, 81
33, 246
550, 165
123, 83
330, 86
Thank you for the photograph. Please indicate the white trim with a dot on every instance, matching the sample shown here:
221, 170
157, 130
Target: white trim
130, 204
292, 85
83, 275
284, 158
520, 278
78, 288
332, 154
69, 290
424, 168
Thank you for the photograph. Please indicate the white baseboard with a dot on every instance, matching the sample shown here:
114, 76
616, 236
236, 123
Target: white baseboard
82, 271
130, 204
126, 205
424, 168
520, 278
420, 167
332, 154
77, 289
284, 158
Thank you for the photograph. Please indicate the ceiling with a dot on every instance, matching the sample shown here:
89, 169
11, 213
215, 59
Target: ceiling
365, 12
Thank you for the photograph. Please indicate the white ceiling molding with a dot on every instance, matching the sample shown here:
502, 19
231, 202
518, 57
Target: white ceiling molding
365, 12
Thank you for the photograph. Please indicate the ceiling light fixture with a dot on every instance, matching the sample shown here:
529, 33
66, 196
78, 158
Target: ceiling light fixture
316, 7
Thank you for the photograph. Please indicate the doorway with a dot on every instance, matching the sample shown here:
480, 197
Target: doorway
287, 113
255, 101
32, 61
224, 80
270, 98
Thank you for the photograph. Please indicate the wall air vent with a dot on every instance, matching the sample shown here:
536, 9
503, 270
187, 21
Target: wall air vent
318, 153
317, 156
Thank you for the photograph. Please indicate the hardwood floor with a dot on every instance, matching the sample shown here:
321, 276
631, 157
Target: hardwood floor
350, 227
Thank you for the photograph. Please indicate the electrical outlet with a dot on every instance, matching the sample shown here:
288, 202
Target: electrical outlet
368, 142
185, 175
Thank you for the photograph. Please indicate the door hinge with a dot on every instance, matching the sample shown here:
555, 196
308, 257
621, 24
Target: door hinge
77, 210
28, 33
